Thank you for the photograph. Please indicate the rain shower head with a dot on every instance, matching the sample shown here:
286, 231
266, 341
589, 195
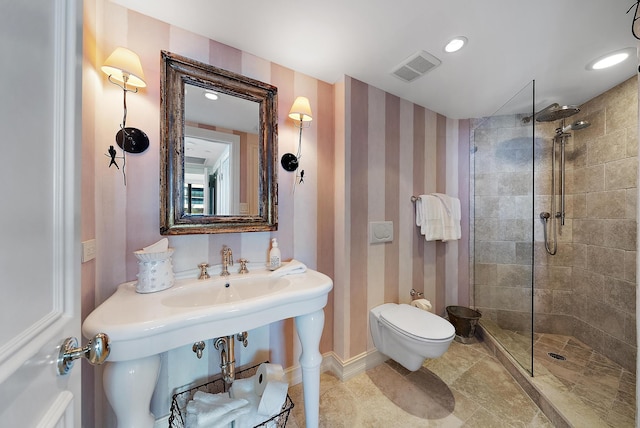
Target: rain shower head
578, 124
553, 114
553, 106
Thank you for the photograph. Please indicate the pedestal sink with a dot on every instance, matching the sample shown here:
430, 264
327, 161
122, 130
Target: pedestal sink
142, 326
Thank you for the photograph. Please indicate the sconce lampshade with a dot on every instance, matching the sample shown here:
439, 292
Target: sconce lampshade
123, 62
301, 110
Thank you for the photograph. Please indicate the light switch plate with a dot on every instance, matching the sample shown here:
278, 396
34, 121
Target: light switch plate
380, 231
88, 250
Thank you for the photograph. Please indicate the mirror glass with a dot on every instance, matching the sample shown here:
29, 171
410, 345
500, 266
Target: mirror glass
217, 151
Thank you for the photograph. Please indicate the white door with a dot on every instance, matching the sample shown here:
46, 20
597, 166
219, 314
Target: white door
40, 84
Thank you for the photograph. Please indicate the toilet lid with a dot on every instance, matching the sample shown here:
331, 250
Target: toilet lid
417, 323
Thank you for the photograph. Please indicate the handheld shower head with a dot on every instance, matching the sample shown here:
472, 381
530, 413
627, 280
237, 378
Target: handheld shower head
578, 124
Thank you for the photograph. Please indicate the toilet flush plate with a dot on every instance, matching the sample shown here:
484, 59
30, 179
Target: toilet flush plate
380, 231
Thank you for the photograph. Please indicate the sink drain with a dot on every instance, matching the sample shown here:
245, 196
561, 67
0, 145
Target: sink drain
556, 356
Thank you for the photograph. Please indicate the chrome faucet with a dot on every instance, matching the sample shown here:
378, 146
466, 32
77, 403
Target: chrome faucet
227, 260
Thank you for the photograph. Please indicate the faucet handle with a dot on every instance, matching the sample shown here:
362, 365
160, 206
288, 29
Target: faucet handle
203, 271
243, 266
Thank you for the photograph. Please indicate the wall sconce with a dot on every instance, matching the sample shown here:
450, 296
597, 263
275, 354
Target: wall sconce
125, 70
301, 114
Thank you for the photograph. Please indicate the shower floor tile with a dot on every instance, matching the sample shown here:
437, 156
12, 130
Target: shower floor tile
584, 382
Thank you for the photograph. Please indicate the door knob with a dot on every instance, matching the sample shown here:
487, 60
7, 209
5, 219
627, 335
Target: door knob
96, 352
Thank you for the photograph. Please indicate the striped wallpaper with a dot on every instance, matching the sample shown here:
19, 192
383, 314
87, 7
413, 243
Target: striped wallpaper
366, 153
394, 149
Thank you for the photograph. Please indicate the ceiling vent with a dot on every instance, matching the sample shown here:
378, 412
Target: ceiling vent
415, 66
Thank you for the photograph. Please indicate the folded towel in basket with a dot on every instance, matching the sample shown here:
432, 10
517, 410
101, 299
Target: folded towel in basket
219, 410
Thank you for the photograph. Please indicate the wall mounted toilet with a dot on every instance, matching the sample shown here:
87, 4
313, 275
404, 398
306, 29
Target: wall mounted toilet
409, 335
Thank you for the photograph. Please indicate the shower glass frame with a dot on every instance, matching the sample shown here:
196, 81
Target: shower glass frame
503, 225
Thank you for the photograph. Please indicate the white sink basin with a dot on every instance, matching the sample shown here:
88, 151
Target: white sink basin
142, 326
223, 291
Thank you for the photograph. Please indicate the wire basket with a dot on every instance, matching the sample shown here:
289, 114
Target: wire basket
180, 400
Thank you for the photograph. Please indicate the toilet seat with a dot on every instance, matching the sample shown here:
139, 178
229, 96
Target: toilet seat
417, 323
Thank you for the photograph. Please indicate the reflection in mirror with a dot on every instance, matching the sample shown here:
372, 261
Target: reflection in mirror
221, 140
218, 150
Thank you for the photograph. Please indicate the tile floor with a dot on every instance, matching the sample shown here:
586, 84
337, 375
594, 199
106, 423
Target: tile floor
587, 388
467, 387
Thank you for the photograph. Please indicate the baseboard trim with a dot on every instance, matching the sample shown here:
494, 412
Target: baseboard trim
345, 370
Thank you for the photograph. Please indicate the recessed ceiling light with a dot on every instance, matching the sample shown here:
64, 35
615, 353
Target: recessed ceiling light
610, 59
210, 95
455, 44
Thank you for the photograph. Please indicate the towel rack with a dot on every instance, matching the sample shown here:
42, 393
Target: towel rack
415, 198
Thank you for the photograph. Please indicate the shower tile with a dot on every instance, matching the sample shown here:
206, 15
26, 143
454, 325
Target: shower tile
591, 179
609, 204
542, 300
485, 252
609, 320
487, 229
505, 252
632, 141
515, 230
486, 184
630, 334
596, 117
579, 255
516, 183
609, 147
631, 208
620, 352
487, 207
562, 302
606, 261
619, 115
553, 277
579, 206
585, 281
620, 416
622, 174
563, 324
621, 295
485, 273
588, 231
514, 275
524, 253
620, 234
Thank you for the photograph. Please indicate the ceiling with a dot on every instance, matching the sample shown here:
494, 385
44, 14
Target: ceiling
510, 44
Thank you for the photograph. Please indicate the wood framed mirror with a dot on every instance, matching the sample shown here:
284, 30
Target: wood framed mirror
218, 150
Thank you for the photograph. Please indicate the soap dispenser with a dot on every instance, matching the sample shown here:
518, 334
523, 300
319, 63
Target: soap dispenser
274, 255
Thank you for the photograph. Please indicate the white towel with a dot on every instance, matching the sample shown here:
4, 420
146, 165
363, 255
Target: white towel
252, 417
203, 419
214, 410
159, 247
429, 217
290, 268
451, 217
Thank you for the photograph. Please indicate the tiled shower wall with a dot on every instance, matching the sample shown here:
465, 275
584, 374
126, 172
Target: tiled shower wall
603, 276
588, 288
503, 206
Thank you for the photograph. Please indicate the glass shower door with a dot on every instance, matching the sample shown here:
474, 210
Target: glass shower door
503, 224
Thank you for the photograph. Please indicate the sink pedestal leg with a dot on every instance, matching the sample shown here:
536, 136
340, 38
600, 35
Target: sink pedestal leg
129, 386
309, 329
